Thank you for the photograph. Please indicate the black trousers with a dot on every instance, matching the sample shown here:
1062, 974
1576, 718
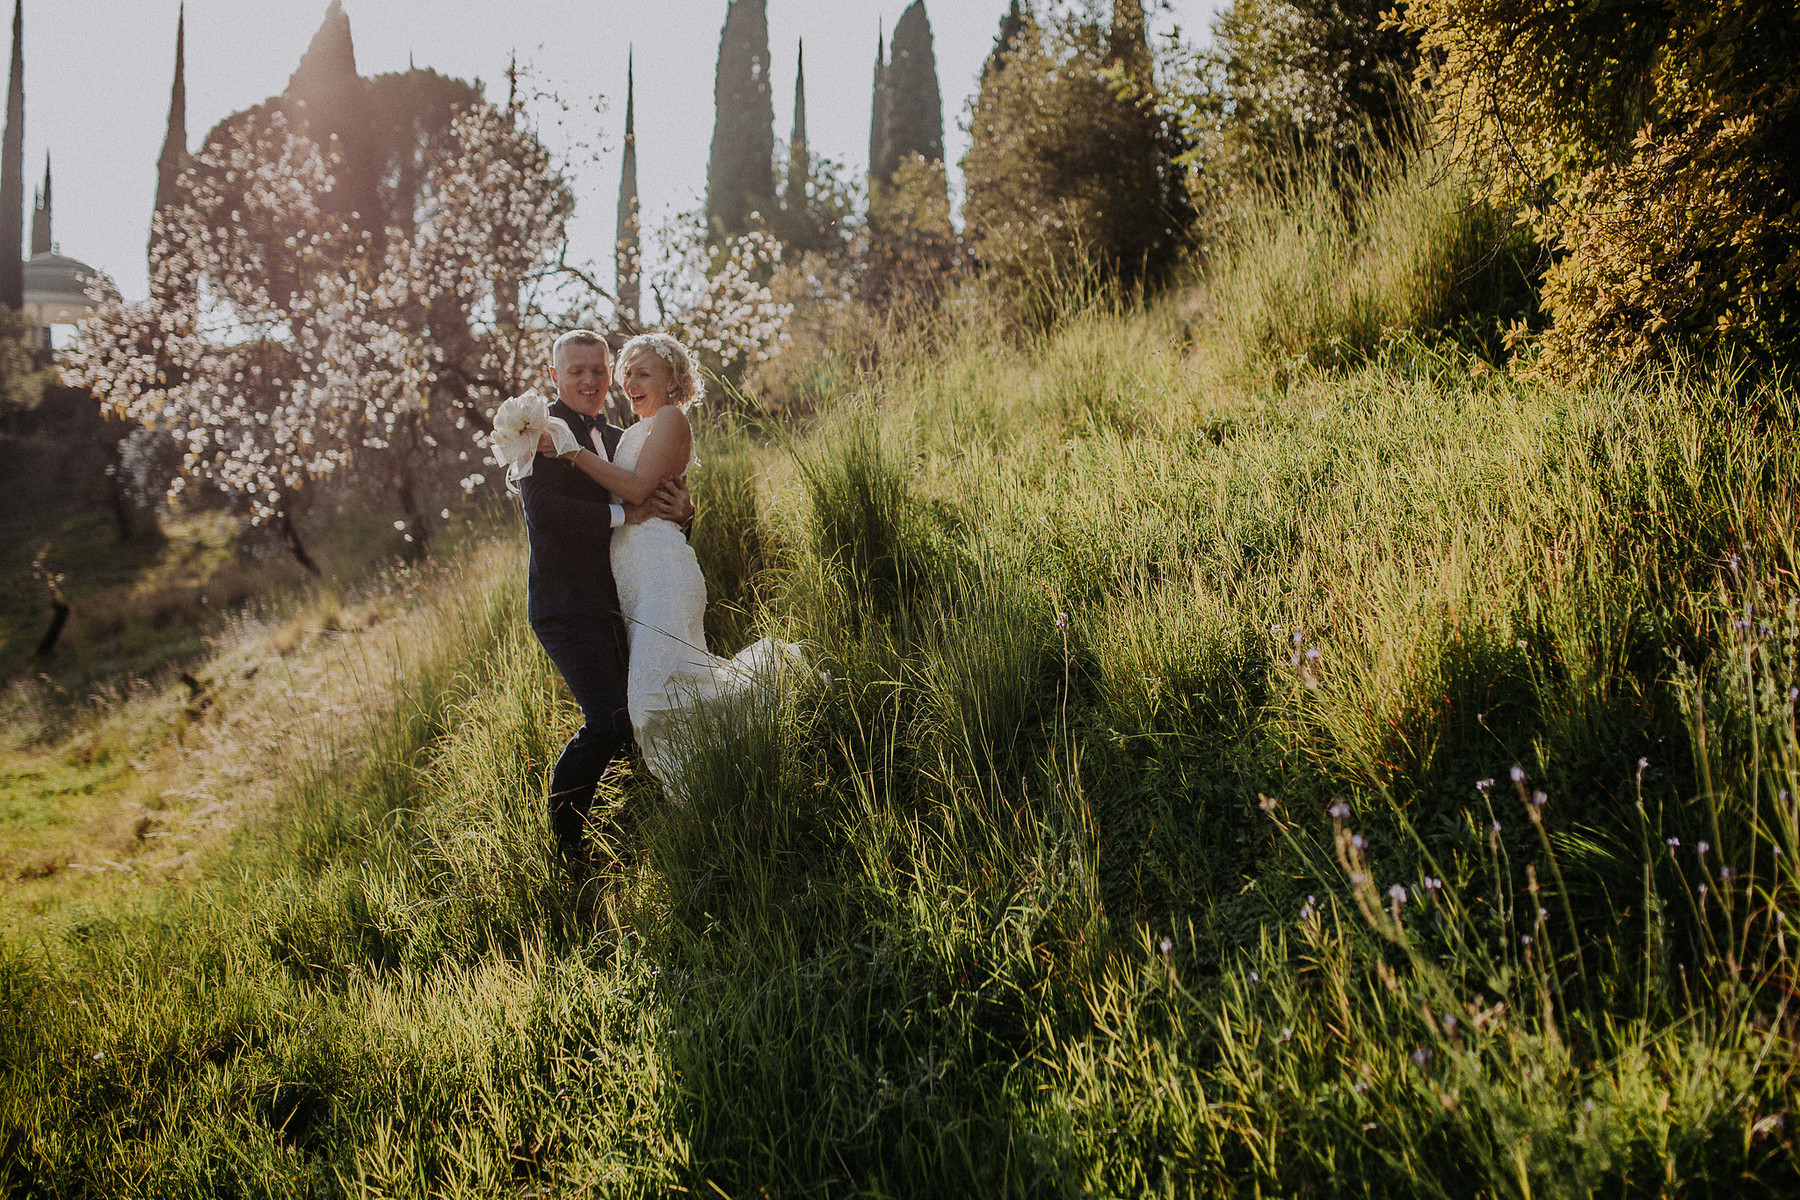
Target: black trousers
591, 654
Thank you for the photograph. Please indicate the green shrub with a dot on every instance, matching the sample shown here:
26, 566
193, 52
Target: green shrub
1071, 162
1652, 147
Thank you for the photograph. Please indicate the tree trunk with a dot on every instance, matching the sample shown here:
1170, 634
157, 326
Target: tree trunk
291, 536
121, 508
415, 519
59, 616
116, 492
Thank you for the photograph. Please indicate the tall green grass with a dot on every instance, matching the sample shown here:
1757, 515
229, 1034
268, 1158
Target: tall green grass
1142, 685
1322, 274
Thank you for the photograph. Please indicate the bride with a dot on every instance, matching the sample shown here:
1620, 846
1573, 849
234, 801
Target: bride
662, 593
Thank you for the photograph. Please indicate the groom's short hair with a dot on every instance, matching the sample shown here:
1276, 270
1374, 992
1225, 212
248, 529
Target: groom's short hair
577, 337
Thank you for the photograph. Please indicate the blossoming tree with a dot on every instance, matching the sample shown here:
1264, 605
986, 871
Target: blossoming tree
714, 296
281, 344
290, 339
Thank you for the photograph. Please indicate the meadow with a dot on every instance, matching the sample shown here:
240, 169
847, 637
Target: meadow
1261, 747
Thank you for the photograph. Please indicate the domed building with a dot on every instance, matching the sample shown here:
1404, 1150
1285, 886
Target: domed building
56, 286
48, 289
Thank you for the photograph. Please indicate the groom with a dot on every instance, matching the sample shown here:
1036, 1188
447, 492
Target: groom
571, 599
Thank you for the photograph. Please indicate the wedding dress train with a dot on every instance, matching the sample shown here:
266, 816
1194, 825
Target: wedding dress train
662, 595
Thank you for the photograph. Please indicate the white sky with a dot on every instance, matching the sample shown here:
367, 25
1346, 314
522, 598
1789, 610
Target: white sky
97, 75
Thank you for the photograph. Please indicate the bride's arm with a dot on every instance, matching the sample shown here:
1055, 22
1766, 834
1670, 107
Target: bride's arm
665, 454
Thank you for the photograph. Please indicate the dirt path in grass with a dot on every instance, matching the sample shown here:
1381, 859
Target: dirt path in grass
148, 788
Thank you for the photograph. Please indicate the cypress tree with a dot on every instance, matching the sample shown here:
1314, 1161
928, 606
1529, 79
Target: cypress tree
627, 244
12, 174
878, 111
174, 151
330, 59
740, 176
1012, 25
326, 98
914, 119
174, 157
41, 242
799, 165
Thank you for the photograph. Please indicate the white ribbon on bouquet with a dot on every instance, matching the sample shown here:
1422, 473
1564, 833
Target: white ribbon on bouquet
517, 424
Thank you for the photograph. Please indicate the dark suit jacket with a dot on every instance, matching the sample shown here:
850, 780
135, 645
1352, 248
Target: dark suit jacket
569, 519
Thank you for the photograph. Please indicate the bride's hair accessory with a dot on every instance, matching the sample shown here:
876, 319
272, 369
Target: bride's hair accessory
689, 389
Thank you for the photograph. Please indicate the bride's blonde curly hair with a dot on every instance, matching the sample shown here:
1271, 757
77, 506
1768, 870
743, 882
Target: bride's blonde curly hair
689, 388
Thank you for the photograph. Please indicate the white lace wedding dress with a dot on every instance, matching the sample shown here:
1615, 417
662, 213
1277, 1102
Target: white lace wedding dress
662, 595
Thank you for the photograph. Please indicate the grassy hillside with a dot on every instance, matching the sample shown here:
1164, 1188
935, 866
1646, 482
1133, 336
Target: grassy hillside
1153, 828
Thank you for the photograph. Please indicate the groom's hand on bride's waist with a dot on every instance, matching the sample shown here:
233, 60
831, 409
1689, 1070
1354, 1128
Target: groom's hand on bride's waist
670, 501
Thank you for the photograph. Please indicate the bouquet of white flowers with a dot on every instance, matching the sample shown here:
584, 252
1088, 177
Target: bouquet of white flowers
517, 424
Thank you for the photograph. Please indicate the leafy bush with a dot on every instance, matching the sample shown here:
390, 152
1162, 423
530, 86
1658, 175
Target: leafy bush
1325, 80
1653, 144
914, 253
1071, 155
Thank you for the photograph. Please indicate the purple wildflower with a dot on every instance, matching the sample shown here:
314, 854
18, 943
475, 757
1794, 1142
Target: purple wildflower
1397, 894
1339, 811
1517, 773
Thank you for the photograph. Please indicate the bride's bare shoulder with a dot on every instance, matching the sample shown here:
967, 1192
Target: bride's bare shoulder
672, 418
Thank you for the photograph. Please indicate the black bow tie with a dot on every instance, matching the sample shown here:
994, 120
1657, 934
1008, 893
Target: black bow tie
592, 423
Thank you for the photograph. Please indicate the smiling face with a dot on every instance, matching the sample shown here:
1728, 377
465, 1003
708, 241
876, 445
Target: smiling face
583, 372
647, 379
